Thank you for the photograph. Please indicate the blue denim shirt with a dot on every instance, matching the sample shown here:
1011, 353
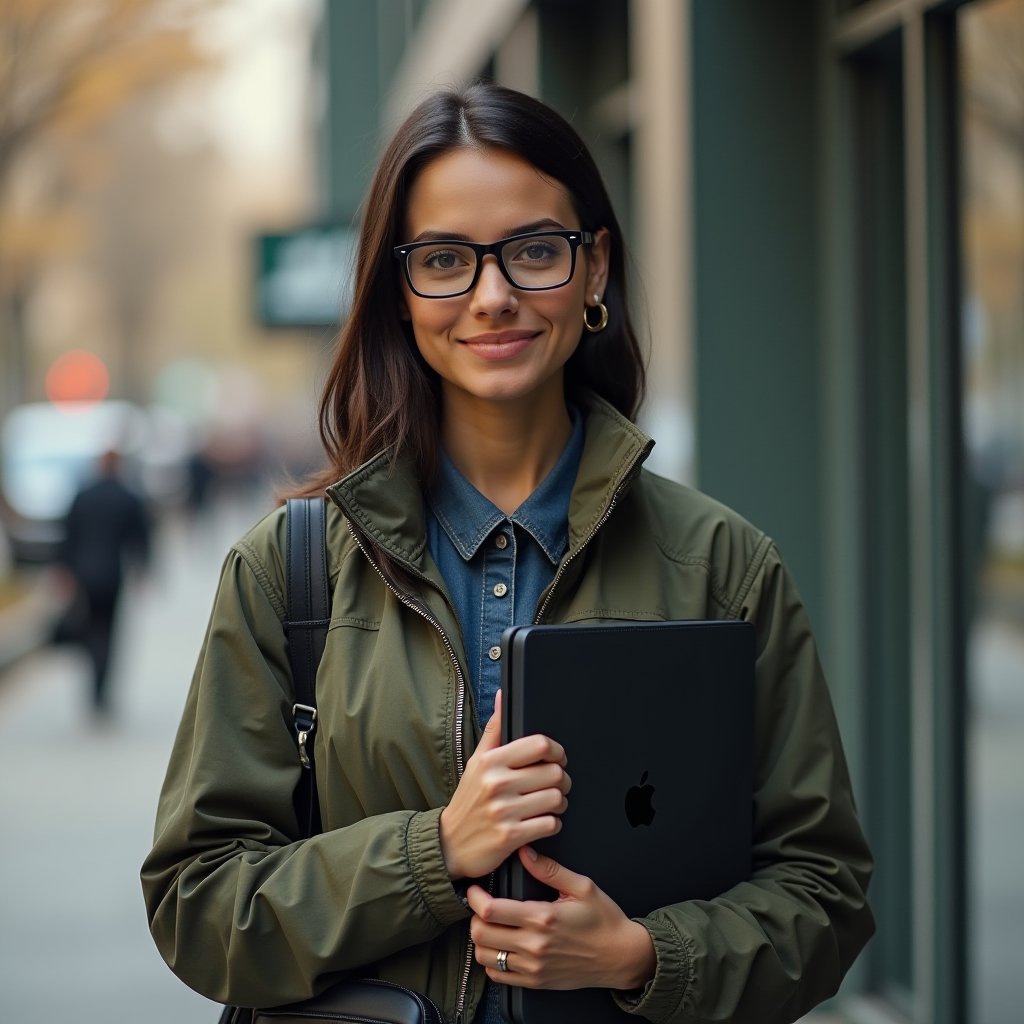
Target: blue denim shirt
496, 567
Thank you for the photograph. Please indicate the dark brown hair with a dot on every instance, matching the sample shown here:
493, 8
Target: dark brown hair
380, 393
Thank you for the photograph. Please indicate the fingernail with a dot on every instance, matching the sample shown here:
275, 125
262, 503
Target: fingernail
531, 853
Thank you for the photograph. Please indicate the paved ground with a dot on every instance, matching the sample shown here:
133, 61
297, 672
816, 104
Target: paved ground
996, 823
78, 803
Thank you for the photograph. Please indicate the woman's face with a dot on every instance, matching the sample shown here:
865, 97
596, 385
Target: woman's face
497, 342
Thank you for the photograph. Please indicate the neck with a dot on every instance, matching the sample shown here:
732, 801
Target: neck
506, 448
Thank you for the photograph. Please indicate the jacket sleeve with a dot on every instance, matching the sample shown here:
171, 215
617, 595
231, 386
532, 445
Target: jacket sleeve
240, 910
772, 948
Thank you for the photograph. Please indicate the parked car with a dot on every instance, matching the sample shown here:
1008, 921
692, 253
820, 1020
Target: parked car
46, 453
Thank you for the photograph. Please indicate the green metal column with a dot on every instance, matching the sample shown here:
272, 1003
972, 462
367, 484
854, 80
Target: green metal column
943, 147
584, 56
351, 121
756, 286
882, 538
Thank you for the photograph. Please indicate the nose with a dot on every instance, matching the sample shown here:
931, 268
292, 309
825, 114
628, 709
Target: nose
493, 296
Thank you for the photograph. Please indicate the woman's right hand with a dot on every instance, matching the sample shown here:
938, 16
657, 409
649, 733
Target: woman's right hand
509, 796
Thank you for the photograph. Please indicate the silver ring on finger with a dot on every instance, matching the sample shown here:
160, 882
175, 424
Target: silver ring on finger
503, 960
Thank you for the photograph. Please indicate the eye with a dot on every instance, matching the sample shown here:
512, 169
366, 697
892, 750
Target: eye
442, 259
534, 251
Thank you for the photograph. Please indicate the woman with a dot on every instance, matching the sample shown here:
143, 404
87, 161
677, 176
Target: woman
485, 471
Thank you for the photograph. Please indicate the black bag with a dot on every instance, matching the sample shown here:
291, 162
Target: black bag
366, 1000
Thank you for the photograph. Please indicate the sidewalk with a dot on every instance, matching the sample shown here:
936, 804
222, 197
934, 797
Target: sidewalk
79, 801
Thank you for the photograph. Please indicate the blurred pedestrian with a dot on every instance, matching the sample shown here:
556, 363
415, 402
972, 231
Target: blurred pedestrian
107, 524
200, 476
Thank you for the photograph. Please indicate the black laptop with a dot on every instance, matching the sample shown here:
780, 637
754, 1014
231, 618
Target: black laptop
657, 722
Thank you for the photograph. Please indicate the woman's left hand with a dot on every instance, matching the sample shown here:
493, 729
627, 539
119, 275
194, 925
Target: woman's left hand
582, 940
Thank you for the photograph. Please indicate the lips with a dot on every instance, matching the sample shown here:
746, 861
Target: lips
500, 344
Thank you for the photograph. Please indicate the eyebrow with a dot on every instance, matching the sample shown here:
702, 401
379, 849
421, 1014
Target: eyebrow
545, 224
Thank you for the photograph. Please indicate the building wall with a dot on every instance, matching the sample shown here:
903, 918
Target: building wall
756, 286
352, 93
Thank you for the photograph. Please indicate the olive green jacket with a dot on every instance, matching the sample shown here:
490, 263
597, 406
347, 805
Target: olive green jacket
244, 913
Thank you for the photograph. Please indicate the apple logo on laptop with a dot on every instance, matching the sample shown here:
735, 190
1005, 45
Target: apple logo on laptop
639, 809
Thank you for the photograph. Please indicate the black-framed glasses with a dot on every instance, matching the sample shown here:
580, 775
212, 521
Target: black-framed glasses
535, 262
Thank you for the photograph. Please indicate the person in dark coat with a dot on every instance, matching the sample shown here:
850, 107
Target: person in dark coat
106, 524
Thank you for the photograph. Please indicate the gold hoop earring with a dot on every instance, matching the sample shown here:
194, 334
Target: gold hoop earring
602, 324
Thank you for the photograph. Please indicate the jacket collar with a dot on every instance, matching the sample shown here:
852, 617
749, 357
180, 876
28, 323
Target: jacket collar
384, 500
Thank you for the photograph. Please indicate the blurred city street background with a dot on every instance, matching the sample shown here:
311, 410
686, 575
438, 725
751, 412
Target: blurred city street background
78, 797
158, 141
180, 184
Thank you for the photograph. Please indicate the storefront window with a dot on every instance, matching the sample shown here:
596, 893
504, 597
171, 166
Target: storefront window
992, 35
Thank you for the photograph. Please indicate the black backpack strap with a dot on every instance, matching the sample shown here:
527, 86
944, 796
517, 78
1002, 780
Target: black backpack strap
309, 613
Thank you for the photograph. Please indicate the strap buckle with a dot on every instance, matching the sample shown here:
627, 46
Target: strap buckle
305, 723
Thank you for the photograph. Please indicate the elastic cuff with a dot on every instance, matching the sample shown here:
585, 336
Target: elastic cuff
661, 999
423, 848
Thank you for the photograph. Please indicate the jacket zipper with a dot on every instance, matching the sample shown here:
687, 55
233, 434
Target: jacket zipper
627, 480
460, 709
423, 612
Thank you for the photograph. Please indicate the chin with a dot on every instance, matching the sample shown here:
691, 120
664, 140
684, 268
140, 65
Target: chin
501, 387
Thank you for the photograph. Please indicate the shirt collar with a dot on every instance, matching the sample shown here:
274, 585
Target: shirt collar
469, 518
383, 499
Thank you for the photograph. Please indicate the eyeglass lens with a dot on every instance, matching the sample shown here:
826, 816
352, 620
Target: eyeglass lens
538, 261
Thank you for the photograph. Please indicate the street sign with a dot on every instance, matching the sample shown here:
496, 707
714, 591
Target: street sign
304, 278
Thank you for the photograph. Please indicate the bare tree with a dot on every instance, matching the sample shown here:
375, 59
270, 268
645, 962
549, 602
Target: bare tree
65, 67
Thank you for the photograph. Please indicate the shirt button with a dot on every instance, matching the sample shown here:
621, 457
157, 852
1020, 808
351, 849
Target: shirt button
494, 653
500, 590
501, 541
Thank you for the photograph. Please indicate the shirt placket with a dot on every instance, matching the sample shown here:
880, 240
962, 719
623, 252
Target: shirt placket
496, 610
